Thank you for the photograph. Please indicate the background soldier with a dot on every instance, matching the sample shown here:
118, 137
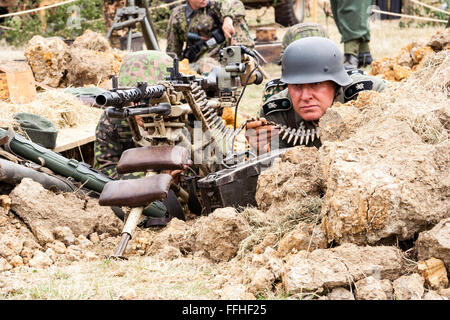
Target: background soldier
351, 18
206, 22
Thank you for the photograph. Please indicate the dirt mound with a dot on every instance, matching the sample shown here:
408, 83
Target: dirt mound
216, 237
282, 185
90, 60
364, 217
48, 227
92, 41
48, 59
410, 57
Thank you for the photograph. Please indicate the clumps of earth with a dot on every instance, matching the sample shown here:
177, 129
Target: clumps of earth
89, 60
365, 217
410, 58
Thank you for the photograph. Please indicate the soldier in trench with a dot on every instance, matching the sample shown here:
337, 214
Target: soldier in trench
314, 76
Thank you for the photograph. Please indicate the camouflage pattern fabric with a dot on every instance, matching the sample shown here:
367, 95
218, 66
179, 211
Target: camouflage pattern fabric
272, 87
302, 30
147, 65
112, 137
203, 24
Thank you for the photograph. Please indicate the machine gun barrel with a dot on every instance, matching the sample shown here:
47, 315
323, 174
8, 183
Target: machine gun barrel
163, 109
122, 97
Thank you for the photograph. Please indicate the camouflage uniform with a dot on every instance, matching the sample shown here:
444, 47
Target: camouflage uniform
203, 21
295, 32
146, 65
113, 136
278, 108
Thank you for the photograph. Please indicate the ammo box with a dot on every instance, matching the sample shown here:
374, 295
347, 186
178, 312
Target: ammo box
235, 186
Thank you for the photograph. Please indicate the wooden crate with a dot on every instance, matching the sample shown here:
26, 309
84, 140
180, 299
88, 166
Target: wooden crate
17, 82
266, 34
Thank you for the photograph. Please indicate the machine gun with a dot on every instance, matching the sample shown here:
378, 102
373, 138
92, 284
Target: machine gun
180, 135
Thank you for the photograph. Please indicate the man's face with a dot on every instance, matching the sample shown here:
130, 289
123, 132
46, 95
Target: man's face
311, 100
197, 4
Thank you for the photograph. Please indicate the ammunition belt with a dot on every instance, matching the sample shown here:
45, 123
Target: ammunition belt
211, 118
297, 136
300, 135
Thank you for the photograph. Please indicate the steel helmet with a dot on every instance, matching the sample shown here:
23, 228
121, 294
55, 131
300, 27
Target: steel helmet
313, 59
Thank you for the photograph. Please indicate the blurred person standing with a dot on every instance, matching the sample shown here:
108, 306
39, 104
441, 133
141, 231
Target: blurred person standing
351, 18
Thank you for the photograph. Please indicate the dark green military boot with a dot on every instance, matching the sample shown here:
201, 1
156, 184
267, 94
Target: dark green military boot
364, 59
364, 56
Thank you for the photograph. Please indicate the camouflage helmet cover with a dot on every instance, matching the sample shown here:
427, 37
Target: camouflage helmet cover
147, 65
313, 59
303, 30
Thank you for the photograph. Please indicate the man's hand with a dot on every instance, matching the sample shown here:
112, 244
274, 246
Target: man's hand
139, 121
228, 28
259, 135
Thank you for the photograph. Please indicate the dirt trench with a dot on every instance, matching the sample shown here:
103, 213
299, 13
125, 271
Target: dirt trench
366, 216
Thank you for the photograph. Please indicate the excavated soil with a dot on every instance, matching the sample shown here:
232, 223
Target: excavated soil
90, 60
366, 216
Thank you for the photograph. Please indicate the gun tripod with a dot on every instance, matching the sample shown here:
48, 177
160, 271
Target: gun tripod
128, 17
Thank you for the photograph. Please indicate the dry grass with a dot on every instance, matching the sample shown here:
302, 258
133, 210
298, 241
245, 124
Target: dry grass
147, 277
61, 108
306, 210
418, 100
429, 89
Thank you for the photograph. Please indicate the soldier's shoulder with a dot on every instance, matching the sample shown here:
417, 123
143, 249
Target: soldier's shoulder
277, 103
217, 4
178, 12
361, 82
